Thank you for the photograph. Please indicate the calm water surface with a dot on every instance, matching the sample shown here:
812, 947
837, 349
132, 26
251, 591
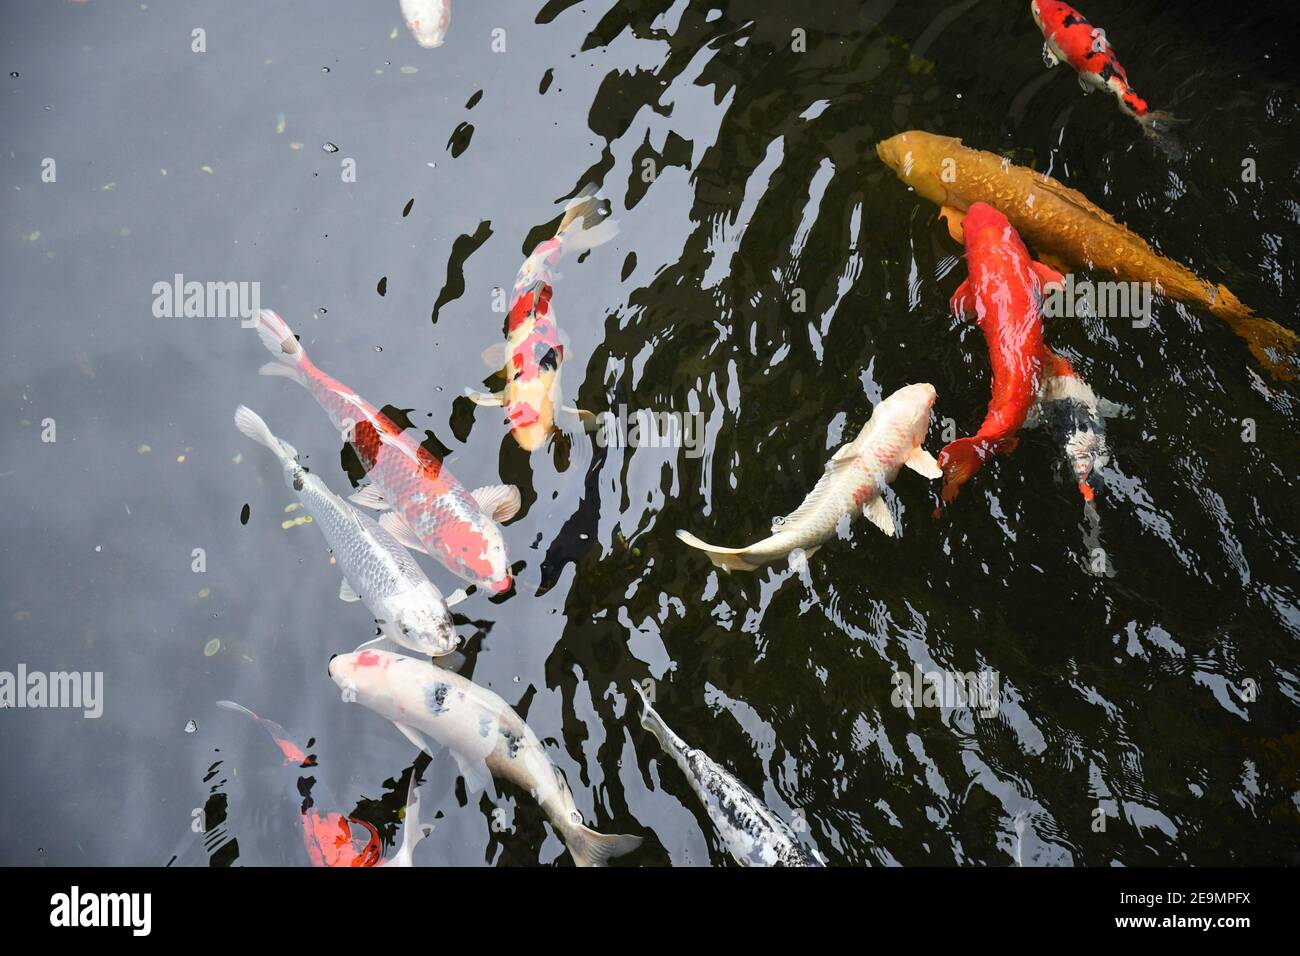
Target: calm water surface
743, 177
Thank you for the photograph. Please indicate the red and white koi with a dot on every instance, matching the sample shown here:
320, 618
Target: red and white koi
425, 507
530, 358
427, 20
333, 838
1069, 36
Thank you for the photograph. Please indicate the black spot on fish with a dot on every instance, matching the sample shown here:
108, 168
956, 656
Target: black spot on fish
435, 698
513, 743
243, 514
546, 357
1073, 18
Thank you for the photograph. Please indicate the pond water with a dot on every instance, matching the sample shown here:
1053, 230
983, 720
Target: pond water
772, 277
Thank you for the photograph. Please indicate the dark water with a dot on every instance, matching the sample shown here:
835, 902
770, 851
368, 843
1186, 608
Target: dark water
1125, 692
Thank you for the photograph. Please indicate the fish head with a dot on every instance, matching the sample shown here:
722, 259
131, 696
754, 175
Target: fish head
530, 405
1086, 454
1036, 11
474, 549
371, 678
423, 623
917, 159
910, 406
427, 20
983, 223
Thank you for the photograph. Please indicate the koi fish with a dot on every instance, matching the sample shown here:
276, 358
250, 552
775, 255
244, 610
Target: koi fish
427, 20
1068, 231
376, 569
483, 733
1068, 36
1069, 408
425, 507
752, 834
1003, 293
853, 481
333, 838
530, 358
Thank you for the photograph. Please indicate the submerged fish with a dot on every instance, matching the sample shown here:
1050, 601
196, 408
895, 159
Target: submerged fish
430, 510
482, 732
1076, 417
1068, 36
1066, 230
1003, 293
853, 481
752, 834
333, 838
530, 358
427, 20
376, 569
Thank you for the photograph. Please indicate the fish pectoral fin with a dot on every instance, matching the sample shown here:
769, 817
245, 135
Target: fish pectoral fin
923, 463
347, 592
954, 217
1109, 409
475, 773
414, 736
486, 399
369, 497
877, 513
455, 597
392, 522
1049, 57
799, 558
1047, 276
494, 356
501, 502
1084, 84
962, 303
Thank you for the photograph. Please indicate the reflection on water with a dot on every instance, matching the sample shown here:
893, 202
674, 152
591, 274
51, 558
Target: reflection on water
771, 277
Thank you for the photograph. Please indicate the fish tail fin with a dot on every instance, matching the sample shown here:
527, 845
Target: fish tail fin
250, 424
1276, 347
1159, 127
960, 460
729, 559
590, 848
237, 708
586, 223
290, 358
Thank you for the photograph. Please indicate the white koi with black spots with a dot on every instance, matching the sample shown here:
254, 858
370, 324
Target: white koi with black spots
752, 834
481, 731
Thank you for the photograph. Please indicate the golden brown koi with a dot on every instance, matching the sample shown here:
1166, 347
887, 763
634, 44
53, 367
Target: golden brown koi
1068, 230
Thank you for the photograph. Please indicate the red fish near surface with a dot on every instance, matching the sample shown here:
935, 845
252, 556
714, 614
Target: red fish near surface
530, 358
426, 508
333, 838
1003, 293
1070, 37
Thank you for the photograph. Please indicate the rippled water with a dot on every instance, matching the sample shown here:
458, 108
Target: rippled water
743, 177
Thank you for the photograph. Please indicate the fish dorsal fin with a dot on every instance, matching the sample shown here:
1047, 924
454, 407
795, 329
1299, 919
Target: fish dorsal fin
392, 522
369, 497
347, 592
923, 463
877, 513
501, 502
